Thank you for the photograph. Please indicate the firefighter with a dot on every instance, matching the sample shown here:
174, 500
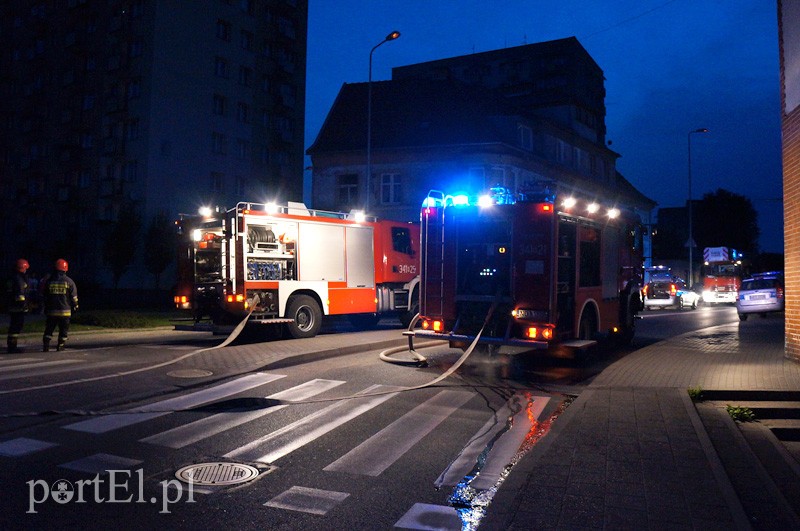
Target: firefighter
17, 303
60, 298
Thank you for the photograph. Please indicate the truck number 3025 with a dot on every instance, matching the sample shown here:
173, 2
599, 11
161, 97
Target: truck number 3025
405, 268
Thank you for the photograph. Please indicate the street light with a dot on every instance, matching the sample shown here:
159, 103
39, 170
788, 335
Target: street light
392, 36
690, 243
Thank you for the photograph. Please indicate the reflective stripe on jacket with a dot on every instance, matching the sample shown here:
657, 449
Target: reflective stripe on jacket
17, 289
60, 295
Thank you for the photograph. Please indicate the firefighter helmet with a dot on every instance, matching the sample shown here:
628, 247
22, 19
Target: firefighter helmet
22, 265
62, 265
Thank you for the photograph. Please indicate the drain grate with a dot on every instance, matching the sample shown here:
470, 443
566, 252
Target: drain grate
216, 473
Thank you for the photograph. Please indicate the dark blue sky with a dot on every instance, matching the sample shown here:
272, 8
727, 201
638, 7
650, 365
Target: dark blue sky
671, 66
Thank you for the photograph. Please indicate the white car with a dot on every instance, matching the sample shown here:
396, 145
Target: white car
669, 293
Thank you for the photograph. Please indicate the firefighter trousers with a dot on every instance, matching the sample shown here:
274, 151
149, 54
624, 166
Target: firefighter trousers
63, 331
15, 324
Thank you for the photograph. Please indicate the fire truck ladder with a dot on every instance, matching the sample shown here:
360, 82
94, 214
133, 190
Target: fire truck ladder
433, 266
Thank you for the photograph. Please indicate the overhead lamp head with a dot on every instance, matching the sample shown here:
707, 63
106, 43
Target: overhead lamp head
392, 36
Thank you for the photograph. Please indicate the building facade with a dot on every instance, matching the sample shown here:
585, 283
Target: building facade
789, 46
527, 116
142, 106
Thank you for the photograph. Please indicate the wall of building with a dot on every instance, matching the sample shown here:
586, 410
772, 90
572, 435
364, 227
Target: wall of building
111, 105
789, 37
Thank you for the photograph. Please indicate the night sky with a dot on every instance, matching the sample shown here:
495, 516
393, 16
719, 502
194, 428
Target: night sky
671, 66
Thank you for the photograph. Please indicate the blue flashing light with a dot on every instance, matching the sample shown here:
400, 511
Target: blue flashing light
431, 202
461, 200
485, 201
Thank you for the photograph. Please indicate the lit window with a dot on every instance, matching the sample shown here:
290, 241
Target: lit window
391, 188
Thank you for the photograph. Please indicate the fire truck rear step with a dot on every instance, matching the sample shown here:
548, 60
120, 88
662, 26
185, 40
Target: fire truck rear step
579, 344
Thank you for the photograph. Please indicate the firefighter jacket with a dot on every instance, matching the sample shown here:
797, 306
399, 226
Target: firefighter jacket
17, 289
59, 295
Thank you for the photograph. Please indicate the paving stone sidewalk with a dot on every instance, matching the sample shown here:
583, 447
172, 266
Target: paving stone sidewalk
633, 452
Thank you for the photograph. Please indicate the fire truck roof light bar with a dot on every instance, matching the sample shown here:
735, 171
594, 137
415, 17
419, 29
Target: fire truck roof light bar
272, 209
436, 199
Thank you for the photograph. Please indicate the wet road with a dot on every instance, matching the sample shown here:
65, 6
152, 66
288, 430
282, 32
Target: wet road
343, 442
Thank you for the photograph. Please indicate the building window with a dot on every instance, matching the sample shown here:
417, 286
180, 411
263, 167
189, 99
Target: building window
219, 144
219, 105
245, 75
84, 178
525, 137
287, 95
246, 40
220, 67
562, 151
284, 127
243, 112
216, 181
581, 160
347, 190
223, 30
286, 27
132, 129
263, 154
391, 188
133, 89
130, 171
135, 48
242, 149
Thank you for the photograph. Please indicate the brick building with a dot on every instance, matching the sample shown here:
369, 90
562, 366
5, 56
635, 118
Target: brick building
789, 45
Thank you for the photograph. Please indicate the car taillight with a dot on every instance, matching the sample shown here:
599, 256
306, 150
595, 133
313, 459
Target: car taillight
672, 289
779, 292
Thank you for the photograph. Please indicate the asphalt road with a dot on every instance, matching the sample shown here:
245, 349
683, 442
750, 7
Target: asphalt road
393, 458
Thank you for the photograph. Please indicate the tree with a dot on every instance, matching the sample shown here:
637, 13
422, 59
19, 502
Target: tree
159, 246
120, 246
727, 219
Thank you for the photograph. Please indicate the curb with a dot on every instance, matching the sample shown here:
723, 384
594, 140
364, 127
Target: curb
740, 519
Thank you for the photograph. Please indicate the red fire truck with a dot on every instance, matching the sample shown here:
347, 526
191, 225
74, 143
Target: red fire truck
722, 275
292, 265
528, 270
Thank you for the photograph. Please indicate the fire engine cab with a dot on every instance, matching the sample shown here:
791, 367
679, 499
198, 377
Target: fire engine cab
292, 265
722, 275
528, 269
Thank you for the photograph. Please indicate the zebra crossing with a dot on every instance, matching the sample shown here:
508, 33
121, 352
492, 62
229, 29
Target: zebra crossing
503, 432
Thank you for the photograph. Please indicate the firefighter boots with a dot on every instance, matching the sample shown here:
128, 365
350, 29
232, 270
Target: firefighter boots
46, 345
61, 346
12, 346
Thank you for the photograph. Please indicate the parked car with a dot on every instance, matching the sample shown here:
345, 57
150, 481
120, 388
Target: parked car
762, 293
669, 293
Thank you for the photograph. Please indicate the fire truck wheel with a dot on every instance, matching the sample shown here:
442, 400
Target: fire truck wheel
307, 316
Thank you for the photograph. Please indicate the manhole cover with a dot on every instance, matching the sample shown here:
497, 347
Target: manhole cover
216, 473
190, 373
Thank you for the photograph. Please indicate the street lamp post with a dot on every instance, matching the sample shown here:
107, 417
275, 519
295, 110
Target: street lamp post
690, 243
392, 36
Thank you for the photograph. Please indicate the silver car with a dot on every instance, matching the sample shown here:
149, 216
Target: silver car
762, 294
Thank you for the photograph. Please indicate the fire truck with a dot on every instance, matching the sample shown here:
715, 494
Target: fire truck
291, 265
528, 269
722, 275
